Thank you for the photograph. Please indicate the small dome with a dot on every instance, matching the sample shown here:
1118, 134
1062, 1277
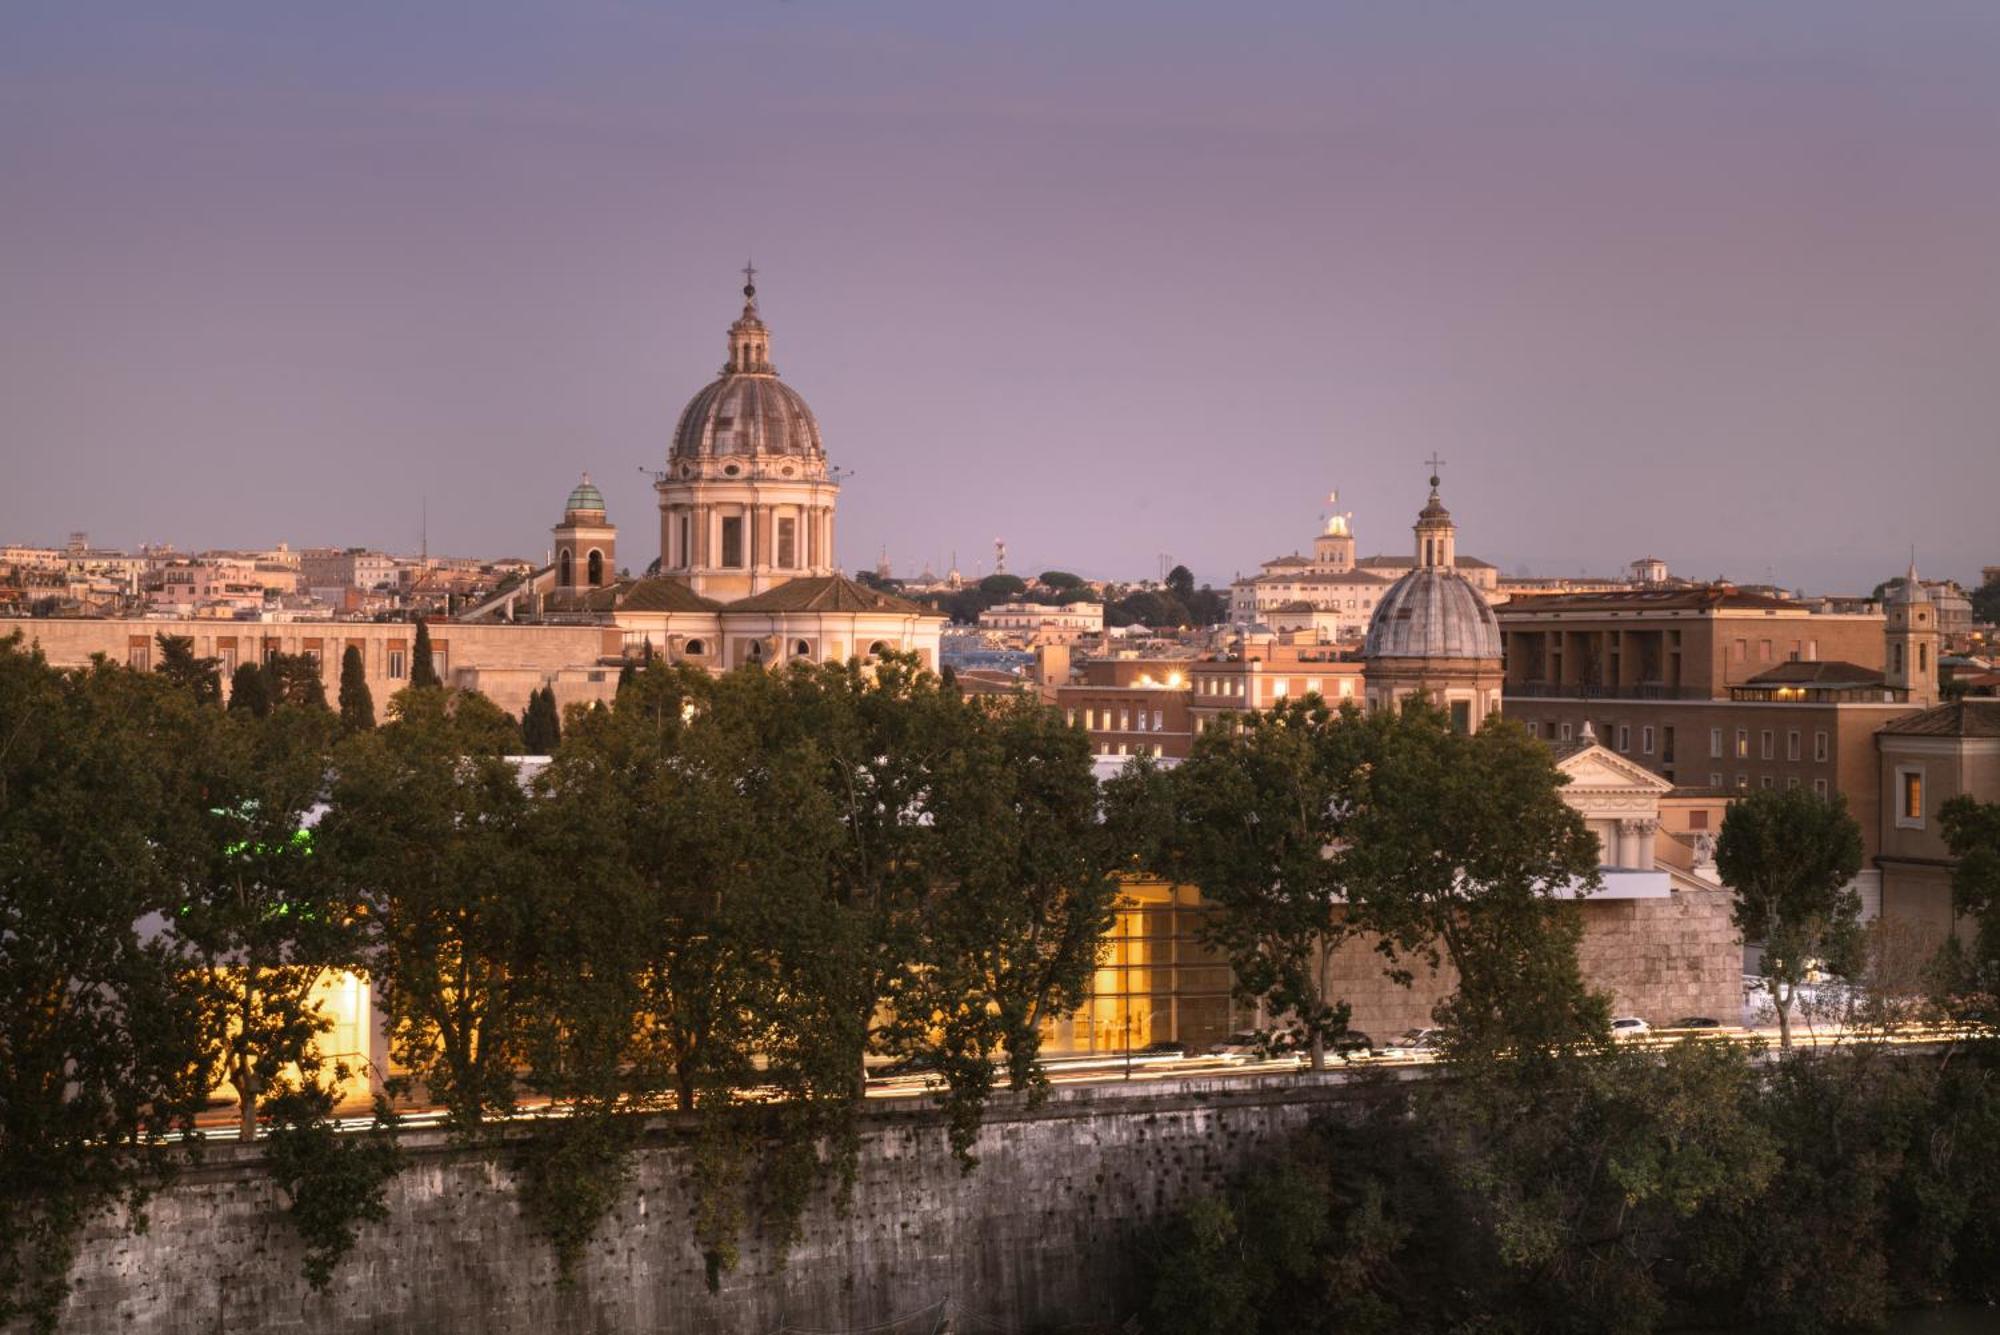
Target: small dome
1432, 613
586, 496
1906, 591
747, 412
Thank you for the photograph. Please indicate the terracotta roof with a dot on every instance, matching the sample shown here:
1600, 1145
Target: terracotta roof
829, 593
1960, 718
1409, 562
1293, 560
1827, 672
662, 595
1352, 577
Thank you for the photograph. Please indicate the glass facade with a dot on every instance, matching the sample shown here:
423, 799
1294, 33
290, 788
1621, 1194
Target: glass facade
1155, 981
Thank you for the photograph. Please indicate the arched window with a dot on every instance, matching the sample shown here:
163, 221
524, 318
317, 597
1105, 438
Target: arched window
877, 649
802, 648
563, 569
596, 567
756, 652
694, 647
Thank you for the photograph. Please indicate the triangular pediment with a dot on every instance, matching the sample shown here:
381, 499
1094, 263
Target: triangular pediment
1597, 768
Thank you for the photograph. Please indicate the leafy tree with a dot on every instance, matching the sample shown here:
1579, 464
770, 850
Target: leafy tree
99, 1048
1003, 586
423, 671
1148, 608
1060, 580
199, 677
249, 690
541, 725
333, 1181
1972, 834
1180, 583
357, 704
257, 908
1256, 809
1986, 603
1459, 848
429, 826
1791, 857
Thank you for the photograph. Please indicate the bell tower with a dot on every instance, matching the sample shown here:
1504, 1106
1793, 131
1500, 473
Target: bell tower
1911, 630
586, 543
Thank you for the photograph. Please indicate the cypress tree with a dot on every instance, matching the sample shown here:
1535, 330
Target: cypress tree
423, 673
357, 705
250, 690
541, 725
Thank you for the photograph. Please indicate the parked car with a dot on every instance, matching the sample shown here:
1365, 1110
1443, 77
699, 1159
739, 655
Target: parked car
1248, 1043
1352, 1044
1696, 1022
1166, 1047
1415, 1043
1628, 1026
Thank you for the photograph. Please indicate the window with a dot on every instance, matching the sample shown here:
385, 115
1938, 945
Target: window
1715, 743
1812, 651
1743, 782
1792, 744
1312, 686
1624, 737
1124, 720
596, 568
1767, 745
1819, 746
1923, 658
1819, 786
397, 665
802, 648
1565, 732
1534, 728
1763, 651
788, 542
1142, 721
1280, 689
1743, 743
1791, 782
1461, 716
1769, 782
687, 557
564, 569
1646, 740
1667, 743
1715, 778
732, 541
139, 657
1910, 797
1740, 650
1159, 720
1697, 820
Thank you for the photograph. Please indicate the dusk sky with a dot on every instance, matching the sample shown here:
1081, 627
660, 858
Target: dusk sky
1716, 282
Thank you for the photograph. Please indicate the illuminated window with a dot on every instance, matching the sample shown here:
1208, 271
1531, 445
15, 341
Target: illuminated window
1159, 720
1743, 782
1910, 797
1743, 743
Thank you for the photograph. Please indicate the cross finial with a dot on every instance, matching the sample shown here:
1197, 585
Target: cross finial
749, 278
1435, 463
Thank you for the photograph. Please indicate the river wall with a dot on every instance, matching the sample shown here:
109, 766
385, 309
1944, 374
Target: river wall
1038, 1236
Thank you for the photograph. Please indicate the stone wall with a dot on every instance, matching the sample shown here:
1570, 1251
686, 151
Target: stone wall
1037, 1234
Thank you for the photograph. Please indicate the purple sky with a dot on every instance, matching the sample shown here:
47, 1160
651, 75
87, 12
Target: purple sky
1718, 282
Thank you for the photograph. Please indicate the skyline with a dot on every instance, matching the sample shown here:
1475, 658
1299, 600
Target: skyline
1714, 286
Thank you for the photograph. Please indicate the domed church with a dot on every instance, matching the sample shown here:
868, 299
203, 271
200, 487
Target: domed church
1432, 633
746, 571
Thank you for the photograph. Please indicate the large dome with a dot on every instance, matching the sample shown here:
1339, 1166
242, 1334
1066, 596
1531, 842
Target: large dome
1432, 613
747, 413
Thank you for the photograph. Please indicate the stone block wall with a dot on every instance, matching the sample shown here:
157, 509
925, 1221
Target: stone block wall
1038, 1234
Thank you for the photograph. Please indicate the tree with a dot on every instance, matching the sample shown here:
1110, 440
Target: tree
1460, 848
1986, 603
293, 681
423, 672
249, 690
1180, 583
428, 825
199, 677
1062, 581
357, 705
257, 909
99, 1047
1972, 834
1003, 586
541, 725
1791, 857
1255, 810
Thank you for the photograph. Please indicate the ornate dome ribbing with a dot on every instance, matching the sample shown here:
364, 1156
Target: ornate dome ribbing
747, 410
1432, 613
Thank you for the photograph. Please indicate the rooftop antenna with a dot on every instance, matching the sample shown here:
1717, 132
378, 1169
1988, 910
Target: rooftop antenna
424, 531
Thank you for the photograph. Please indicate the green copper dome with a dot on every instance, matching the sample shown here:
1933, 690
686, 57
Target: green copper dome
585, 497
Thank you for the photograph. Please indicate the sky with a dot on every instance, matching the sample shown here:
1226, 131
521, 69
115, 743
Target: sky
1714, 282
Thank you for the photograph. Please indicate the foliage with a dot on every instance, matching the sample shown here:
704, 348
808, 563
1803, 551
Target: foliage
1003, 586
1609, 1189
357, 704
99, 1049
1986, 603
199, 677
1972, 832
570, 1174
249, 690
1791, 857
1180, 583
332, 1182
429, 828
423, 670
1059, 580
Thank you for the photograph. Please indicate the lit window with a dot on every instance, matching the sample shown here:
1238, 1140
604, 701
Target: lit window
1159, 721
1743, 743
1910, 798
1743, 782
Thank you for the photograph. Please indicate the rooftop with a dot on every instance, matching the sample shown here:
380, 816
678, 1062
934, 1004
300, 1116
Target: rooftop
1960, 718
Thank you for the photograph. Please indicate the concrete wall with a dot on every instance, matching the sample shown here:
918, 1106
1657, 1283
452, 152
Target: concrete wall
1037, 1234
